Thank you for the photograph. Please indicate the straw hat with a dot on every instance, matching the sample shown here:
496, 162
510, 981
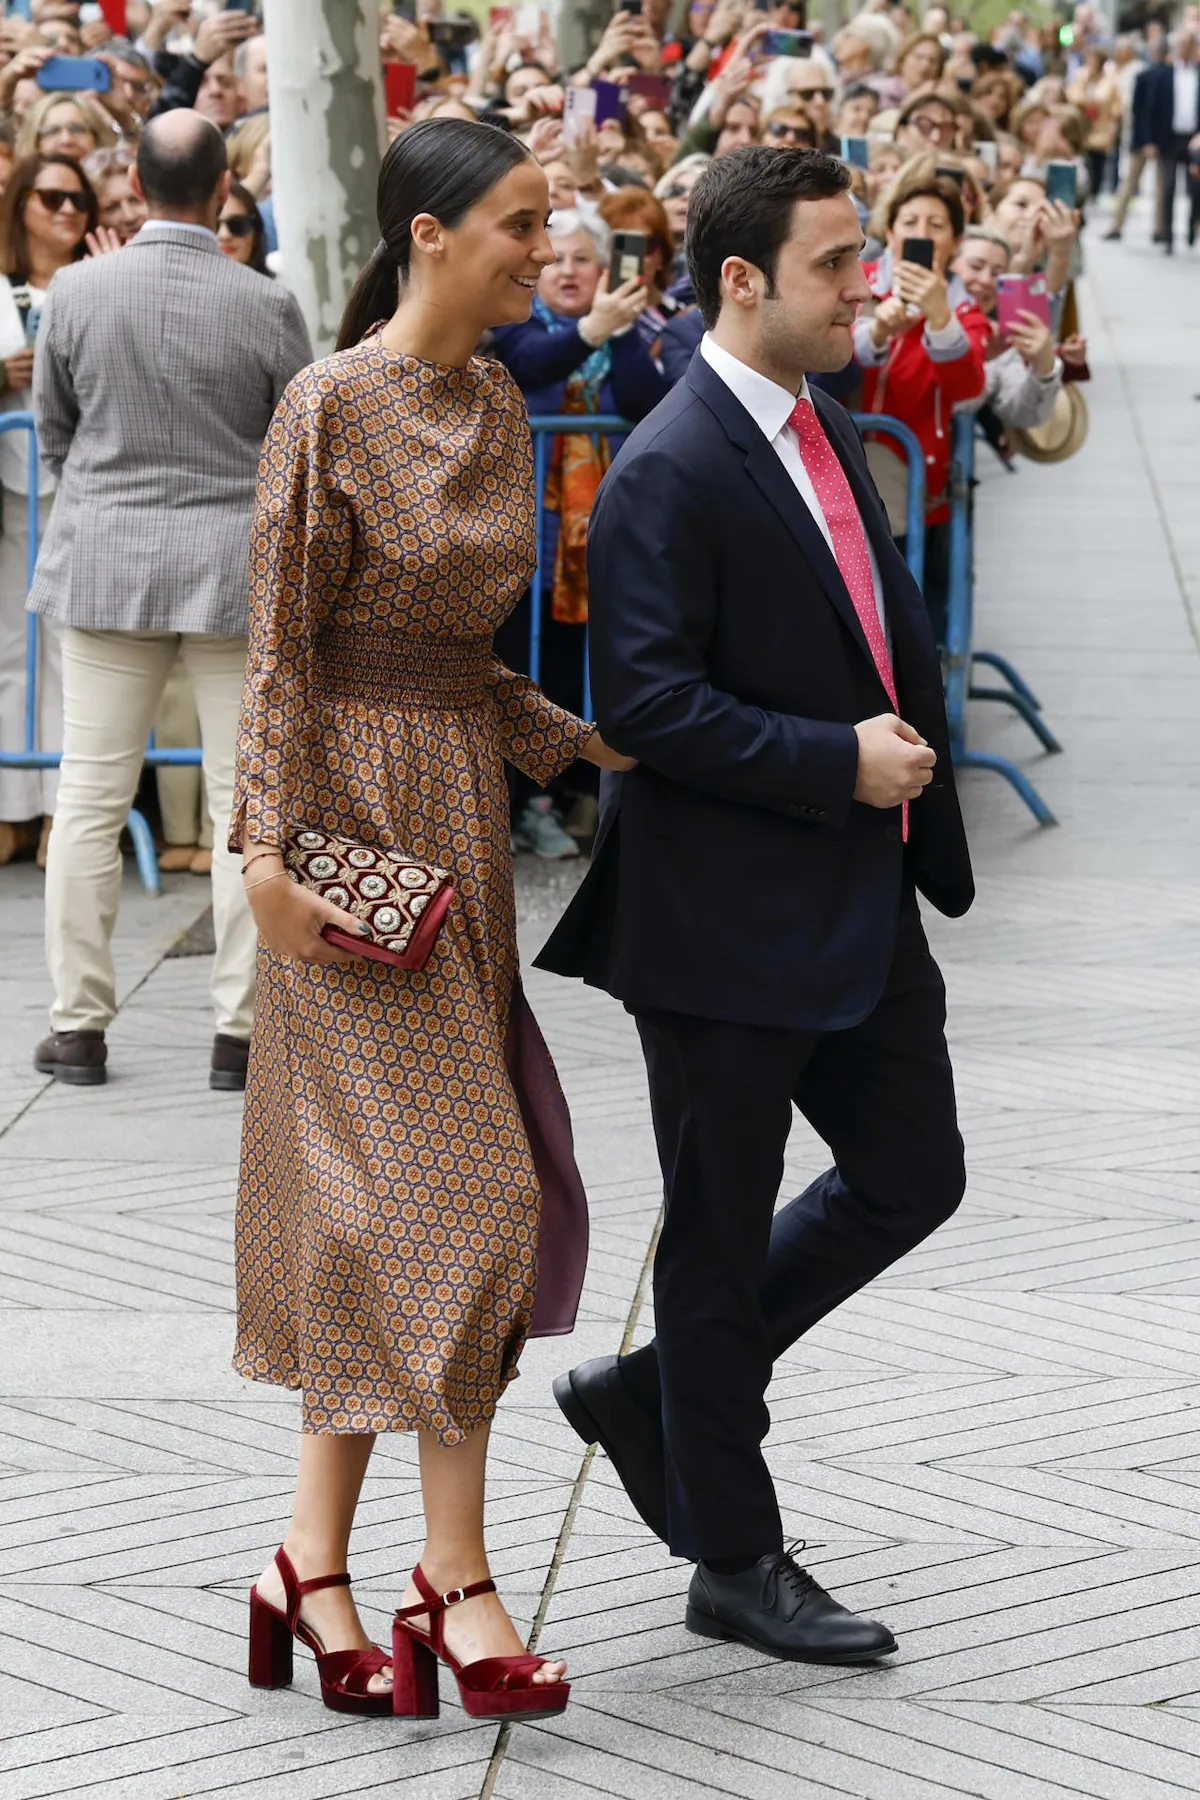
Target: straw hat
1064, 432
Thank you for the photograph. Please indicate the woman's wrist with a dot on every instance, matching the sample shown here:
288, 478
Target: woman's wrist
593, 332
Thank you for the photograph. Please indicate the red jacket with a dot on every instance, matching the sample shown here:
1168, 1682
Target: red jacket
922, 392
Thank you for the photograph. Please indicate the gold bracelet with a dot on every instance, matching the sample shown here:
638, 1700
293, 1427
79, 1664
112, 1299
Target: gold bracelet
263, 880
258, 856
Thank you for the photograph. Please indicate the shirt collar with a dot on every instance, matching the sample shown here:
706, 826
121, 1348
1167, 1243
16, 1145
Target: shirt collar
769, 405
180, 225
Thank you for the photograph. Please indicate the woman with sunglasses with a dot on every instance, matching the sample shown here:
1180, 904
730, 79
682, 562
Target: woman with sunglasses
49, 206
675, 192
241, 232
789, 128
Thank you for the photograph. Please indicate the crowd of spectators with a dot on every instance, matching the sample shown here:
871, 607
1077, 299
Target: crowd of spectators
974, 157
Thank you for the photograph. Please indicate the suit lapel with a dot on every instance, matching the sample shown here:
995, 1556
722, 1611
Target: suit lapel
771, 478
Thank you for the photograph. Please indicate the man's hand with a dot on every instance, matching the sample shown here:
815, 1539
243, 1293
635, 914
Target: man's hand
402, 41
894, 762
18, 369
222, 32
25, 63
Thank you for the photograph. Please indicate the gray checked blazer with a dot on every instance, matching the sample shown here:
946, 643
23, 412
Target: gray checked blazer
158, 369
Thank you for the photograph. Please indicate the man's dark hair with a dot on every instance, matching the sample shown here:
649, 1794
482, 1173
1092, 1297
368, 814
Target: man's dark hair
742, 206
179, 169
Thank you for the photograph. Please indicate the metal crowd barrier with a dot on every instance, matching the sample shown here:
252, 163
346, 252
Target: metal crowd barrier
961, 655
30, 757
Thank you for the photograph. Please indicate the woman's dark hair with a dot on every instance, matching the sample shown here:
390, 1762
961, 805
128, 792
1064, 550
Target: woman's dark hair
443, 167
941, 187
249, 205
742, 206
14, 245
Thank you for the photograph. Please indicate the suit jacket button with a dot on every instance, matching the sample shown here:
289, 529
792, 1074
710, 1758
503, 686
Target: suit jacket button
892, 833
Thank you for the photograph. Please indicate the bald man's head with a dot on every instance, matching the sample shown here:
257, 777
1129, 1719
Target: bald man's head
181, 159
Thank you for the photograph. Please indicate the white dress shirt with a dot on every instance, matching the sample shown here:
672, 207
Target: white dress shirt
771, 406
1186, 119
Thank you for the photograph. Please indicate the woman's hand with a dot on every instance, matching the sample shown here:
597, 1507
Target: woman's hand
582, 156
1032, 338
18, 369
290, 918
402, 41
102, 241
597, 751
613, 312
889, 319
925, 289
545, 141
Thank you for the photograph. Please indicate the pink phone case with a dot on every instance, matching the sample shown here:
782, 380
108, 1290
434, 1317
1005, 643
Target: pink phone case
1021, 293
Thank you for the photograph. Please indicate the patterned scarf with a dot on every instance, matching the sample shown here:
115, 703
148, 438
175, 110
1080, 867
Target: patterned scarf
577, 465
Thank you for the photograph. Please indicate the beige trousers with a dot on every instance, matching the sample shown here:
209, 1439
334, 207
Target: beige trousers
113, 683
1131, 181
181, 797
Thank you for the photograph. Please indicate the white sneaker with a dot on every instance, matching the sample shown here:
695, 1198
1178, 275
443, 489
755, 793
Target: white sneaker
539, 825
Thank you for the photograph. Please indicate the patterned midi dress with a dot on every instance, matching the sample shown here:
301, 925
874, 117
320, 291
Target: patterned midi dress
405, 1141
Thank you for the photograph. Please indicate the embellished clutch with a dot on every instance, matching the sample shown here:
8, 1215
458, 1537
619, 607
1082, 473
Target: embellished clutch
402, 902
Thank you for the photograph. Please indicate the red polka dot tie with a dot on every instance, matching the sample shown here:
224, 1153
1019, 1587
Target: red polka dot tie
850, 549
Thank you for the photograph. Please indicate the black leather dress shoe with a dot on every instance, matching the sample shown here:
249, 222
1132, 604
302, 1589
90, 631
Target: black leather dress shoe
777, 1607
597, 1404
76, 1057
230, 1060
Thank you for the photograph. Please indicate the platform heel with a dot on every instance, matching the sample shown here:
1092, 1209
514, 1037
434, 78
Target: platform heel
414, 1676
270, 1645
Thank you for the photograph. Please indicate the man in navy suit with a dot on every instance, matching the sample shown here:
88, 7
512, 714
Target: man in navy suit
1172, 120
759, 646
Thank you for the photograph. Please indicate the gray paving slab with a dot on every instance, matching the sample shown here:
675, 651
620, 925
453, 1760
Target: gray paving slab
995, 1447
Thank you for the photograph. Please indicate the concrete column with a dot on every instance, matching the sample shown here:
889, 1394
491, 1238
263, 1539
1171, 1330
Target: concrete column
327, 138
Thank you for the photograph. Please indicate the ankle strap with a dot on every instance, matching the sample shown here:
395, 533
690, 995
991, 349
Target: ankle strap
294, 1589
433, 1603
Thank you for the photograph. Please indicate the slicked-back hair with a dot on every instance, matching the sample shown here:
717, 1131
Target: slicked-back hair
742, 205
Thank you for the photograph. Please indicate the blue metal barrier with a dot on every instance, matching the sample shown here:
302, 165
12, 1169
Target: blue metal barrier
914, 457
960, 654
29, 757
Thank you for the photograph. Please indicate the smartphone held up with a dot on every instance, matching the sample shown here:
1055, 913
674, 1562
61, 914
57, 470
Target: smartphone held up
628, 260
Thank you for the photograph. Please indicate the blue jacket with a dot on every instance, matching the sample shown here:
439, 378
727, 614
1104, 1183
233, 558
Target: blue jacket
541, 361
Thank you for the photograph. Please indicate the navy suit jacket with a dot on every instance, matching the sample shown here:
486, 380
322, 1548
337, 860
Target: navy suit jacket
734, 876
1158, 107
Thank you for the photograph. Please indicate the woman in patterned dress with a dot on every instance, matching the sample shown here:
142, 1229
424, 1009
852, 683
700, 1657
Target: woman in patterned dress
390, 1209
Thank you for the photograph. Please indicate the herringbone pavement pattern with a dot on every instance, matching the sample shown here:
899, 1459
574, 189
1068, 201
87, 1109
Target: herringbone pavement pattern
995, 1447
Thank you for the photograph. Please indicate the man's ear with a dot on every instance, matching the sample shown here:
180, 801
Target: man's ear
741, 281
135, 182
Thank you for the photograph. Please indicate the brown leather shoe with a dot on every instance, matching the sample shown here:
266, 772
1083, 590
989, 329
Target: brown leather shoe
76, 1057
230, 1058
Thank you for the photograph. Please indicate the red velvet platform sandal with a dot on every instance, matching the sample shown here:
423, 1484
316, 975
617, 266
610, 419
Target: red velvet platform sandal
495, 1687
345, 1674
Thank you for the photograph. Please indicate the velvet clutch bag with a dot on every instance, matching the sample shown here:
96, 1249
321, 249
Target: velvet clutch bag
400, 900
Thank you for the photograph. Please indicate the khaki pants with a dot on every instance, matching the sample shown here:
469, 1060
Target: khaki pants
1135, 163
113, 683
181, 797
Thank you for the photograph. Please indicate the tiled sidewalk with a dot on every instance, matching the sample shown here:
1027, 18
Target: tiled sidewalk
993, 1447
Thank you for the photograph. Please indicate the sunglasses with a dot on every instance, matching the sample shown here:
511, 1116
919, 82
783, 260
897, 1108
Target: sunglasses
675, 193
932, 127
795, 134
812, 93
54, 199
241, 225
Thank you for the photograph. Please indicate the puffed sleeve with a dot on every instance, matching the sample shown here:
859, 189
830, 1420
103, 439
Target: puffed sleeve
301, 544
536, 736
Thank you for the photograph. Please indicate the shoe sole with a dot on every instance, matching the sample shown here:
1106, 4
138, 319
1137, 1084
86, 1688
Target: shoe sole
73, 1077
226, 1081
581, 1421
704, 1625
